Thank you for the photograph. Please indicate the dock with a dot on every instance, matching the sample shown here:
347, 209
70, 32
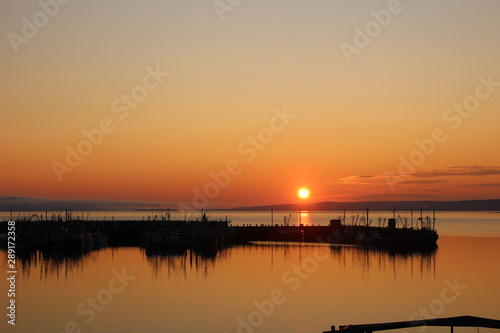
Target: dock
461, 321
70, 232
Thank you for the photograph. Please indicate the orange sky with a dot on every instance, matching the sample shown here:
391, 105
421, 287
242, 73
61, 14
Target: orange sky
267, 99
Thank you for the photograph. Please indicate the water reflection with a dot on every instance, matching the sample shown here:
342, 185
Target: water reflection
370, 260
373, 260
416, 264
304, 218
53, 264
183, 262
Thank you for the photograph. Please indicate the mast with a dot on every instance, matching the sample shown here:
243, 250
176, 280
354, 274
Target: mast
433, 218
367, 220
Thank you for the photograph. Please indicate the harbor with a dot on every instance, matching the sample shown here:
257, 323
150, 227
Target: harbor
71, 232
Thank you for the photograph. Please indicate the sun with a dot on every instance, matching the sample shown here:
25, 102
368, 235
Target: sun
303, 193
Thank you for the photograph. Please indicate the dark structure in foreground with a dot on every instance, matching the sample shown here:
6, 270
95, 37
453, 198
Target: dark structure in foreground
395, 232
462, 321
76, 234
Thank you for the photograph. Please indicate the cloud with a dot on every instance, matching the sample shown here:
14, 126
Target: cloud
351, 180
482, 184
358, 180
422, 182
470, 170
423, 190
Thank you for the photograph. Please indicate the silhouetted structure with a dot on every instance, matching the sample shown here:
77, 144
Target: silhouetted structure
462, 321
206, 235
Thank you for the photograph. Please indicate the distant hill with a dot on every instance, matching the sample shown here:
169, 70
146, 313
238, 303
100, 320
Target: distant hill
468, 205
40, 204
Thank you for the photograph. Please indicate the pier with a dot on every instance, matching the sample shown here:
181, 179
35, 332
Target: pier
75, 233
462, 321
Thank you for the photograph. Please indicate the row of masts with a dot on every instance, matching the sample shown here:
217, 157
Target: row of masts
364, 220
356, 220
68, 215
402, 222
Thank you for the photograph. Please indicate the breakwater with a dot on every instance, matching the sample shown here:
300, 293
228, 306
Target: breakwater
67, 234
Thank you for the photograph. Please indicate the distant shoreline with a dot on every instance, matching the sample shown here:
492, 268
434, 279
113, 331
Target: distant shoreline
75, 206
492, 205
38, 205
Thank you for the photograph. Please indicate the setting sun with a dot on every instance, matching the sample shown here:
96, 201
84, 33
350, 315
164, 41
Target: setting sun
303, 193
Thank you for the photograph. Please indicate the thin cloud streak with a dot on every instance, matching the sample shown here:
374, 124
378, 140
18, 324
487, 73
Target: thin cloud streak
481, 184
471, 170
422, 182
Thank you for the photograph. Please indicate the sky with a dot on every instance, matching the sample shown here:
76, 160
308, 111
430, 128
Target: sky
207, 104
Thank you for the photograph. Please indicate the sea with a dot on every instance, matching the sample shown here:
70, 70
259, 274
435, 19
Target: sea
258, 287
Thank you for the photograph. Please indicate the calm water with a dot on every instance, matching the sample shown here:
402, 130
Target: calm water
262, 287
